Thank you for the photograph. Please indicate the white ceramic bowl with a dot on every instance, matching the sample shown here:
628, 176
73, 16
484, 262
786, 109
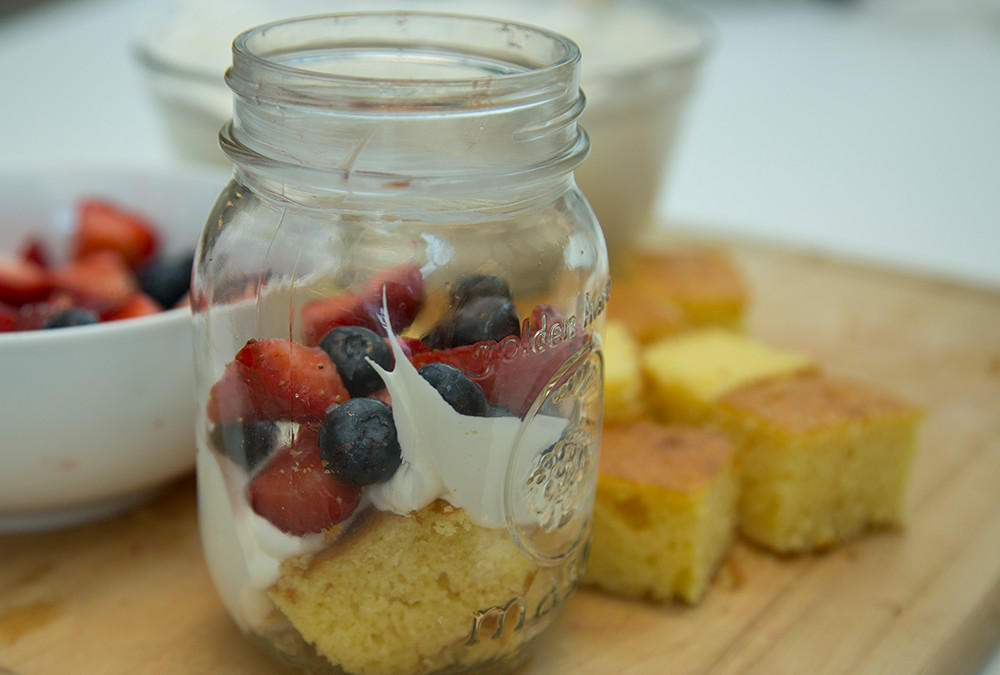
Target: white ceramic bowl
640, 62
93, 419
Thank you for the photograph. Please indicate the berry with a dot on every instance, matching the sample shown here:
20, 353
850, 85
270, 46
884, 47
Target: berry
9, 318
276, 379
296, 494
441, 334
105, 227
321, 316
489, 318
357, 440
167, 280
246, 444
138, 305
461, 393
35, 251
74, 316
473, 360
101, 281
404, 295
479, 286
349, 347
23, 282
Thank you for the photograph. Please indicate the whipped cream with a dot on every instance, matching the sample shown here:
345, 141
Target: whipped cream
461, 459
243, 550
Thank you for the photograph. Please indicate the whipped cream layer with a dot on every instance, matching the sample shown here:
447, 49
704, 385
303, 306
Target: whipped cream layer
446, 455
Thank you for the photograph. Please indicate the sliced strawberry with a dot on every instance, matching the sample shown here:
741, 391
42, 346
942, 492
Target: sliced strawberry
8, 318
296, 495
34, 250
101, 281
23, 281
105, 227
138, 305
404, 295
411, 345
476, 361
319, 317
276, 379
514, 371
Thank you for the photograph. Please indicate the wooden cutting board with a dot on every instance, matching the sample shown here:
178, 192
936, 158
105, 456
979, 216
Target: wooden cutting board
133, 595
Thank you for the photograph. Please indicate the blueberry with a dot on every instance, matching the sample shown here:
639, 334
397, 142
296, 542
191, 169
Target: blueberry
490, 318
357, 442
461, 393
348, 346
246, 444
168, 279
479, 286
440, 336
74, 316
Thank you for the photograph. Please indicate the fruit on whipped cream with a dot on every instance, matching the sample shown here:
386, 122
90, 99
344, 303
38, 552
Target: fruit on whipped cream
321, 456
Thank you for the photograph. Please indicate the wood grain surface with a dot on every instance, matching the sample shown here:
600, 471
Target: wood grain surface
133, 595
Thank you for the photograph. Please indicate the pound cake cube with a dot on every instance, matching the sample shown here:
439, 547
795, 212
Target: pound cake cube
622, 375
661, 293
665, 513
397, 594
821, 459
687, 373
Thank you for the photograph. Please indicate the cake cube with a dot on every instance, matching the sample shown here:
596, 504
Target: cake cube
661, 293
821, 459
665, 512
622, 375
687, 373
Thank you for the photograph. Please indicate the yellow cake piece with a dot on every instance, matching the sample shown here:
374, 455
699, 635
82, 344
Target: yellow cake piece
821, 459
622, 375
688, 372
664, 292
398, 594
665, 512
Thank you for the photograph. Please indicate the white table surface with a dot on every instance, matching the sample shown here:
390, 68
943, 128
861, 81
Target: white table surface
871, 130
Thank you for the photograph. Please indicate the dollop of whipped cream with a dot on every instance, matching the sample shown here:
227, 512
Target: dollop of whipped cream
446, 455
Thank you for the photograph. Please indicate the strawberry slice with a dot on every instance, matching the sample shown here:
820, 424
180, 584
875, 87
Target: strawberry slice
476, 361
23, 281
276, 379
296, 495
8, 318
102, 226
319, 317
411, 345
404, 295
513, 372
34, 250
101, 281
138, 305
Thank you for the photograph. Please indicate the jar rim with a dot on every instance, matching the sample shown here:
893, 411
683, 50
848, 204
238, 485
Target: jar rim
247, 55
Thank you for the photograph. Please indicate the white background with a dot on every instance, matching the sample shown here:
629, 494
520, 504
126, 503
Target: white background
866, 129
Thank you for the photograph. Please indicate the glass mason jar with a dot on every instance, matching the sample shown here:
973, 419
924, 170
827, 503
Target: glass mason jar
397, 302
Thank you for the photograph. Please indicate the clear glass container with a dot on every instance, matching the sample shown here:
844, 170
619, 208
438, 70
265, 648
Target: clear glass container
398, 302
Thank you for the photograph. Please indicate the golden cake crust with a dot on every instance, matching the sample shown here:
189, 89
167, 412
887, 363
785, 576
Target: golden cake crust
676, 458
813, 402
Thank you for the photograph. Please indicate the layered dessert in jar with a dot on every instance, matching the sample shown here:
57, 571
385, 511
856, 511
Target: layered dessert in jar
403, 485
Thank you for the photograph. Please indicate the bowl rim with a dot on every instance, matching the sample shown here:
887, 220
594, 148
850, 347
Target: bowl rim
706, 37
22, 337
